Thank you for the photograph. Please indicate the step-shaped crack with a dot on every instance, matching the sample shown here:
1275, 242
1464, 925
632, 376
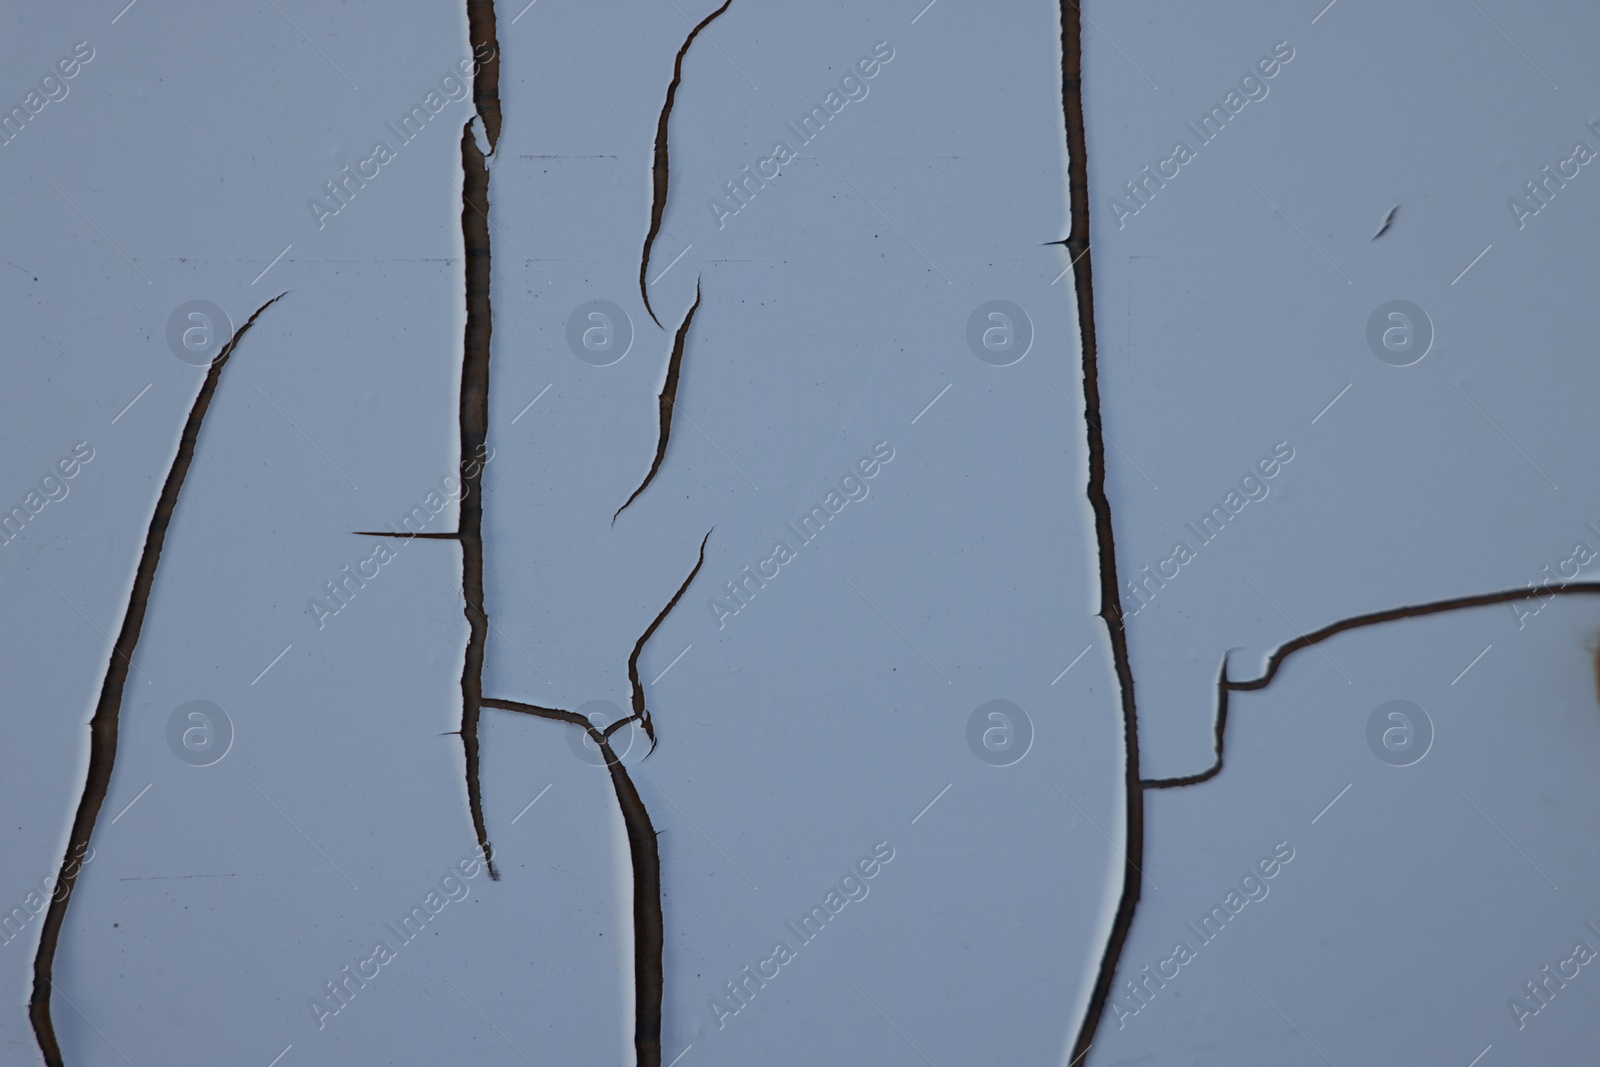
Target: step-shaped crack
1226, 685
103, 727
660, 171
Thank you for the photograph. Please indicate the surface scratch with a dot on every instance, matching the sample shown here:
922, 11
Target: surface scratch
103, 727
660, 170
668, 398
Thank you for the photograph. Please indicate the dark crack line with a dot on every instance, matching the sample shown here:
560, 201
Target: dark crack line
1225, 685
408, 536
649, 926
474, 406
486, 83
666, 401
1077, 243
544, 713
639, 710
103, 727
660, 170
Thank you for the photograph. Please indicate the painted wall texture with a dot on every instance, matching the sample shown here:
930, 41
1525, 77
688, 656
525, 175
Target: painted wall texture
672, 535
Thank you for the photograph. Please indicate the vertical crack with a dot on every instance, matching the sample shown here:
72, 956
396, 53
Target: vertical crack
486, 83
1077, 244
1225, 685
474, 411
103, 727
660, 170
668, 397
649, 926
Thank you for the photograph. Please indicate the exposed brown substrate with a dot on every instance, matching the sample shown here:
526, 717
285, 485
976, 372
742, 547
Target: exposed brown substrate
660, 170
486, 83
474, 418
648, 924
542, 712
668, 397
1077, 246
1355, 622
103, 726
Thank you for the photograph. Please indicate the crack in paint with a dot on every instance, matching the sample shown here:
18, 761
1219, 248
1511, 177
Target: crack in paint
649, 926
481, 34
1225, 685
1077, 244
660, 170
474, 404
640, 712
104, 725
668, 397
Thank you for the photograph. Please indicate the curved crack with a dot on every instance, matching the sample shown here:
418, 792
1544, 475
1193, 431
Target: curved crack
648, 923
660, 170
639, 710
1225, 685
1077, 245
103, 727
474, 404
668, 397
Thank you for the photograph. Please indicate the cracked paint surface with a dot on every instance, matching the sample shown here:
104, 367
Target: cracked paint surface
916, 525
106, 723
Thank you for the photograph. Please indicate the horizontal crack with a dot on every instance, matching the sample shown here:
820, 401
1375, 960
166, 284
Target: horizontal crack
1413, 611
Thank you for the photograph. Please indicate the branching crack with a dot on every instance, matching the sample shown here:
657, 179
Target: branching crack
1077, 245
103, 727
668, 398
648, 924
660, 171
1225, 685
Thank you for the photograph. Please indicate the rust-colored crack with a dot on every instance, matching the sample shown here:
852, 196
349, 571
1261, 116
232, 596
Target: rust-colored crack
1077, 245
660, 171
474, 418
1411, 611
103, 727
648, 924
668, 397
